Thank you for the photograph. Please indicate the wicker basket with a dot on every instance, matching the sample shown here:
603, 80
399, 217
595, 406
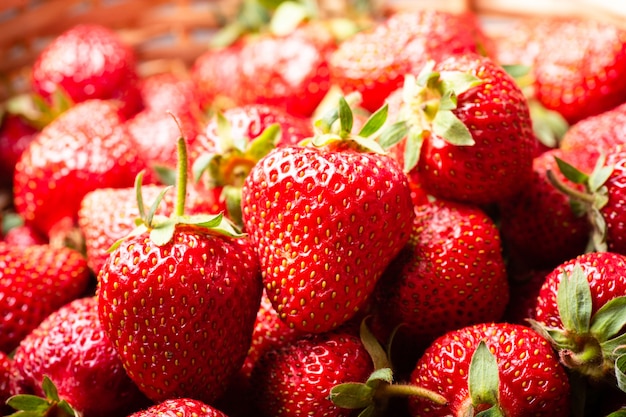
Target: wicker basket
175, 32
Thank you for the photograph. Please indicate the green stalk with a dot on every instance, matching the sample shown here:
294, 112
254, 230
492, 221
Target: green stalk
181, 179
407, 390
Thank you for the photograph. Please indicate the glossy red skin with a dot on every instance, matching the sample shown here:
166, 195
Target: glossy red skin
499, 164
204, 291
169, 92
578, 64
85, 148
450, 274
22, 236
326, 223
614, 212
180, 407
34, 282
102, 223
72, 349
7, 374
15, 136
538, 226
295, 379
525, 286
89, 62
374, 62
532, 382
606, 273
289, 72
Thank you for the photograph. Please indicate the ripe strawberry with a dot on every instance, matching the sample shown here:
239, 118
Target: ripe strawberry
85, 148
205, 288
470, 137
450, 274
23, 235
374, 62
524, 288
170, 92
296, 379
507, 368
88, 62
180, 407
71, 348
7, 373
578, 64
326, 220
577, 309
15, 136
554, 232
34, 282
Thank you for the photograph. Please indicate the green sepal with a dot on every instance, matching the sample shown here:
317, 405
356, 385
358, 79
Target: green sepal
165, 174
600, 174
149, 216
325, 122
494, 411
379, 357
163, 231
288, 16
614, 347
517, 70
620, 372
346, 118
264, 143
352, 395
369, 411
11, 220
571, 172
381, 375
375, 122
574, 301
609, 319
413, 148
427, 76
549, 126
225, 134
618, 413
369, 145
232, 197
449, 127
205, 162
557, 337
137, 231
458, 82
28, 402
483, 378
215, 222
33, 406
393, 134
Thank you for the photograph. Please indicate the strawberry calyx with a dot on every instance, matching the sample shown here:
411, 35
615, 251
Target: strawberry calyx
590, 201
36, 110
161, 228
372, 396
51, 405
484, 384
592, 345
229, 167
429, 101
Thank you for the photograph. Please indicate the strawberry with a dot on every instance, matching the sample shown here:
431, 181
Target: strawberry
508, 369
85, 148
71, 348
554, 232
525, 285
15, 136
375, 61
180, 407
170, 92
205, 288
469, 131
295, 379
578, 311
7, 373
34, 282
450, 274
321, 252
578, 65
88, 61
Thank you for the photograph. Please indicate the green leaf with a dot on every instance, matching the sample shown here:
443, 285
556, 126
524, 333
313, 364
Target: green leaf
139, 195
598, 178
287, 17
49, 389
613, 348
165, 173
452, 129
163, 232
494, 411
392, 134
571, 172
516, 70
574, 301
484, 381
324, 124
609, 319
351, 395
373, 347
375, 122
28, 402
380, 376
369, 145
448, 101
345, 117
413, 148
620, 372
155, 205
265, 142
458, 82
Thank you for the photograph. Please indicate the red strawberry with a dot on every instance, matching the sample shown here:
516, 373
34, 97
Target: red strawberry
554, 232
205, 288
470, 137
578, 309
525, 286
450, 274
85, 148
34, 282
507, 368
71, 348
374, 62
15, 136
296, 379
7, 374
180, 407
326, 220
170, 92
88, 62
578, 64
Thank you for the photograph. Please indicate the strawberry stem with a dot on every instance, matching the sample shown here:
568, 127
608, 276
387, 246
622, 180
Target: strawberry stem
407, 390
569, 191
181, 179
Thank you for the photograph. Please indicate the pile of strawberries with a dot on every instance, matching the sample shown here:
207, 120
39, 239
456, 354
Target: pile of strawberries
416, 217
